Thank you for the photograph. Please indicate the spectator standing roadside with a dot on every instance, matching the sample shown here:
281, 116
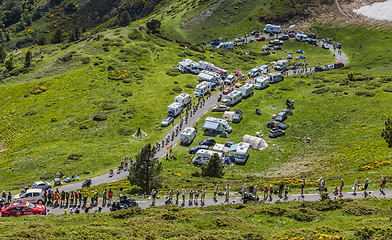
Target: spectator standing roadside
302, 187
355, 187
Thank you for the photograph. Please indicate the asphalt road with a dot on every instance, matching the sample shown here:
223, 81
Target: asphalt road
101, 179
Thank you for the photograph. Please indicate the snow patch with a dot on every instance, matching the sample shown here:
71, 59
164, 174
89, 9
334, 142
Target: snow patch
379, 11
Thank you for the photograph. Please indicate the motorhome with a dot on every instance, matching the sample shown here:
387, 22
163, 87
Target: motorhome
187, 136
222, 72
188, 66
276, 77
174, 109
228, 116
203, 156
202, 89
216, 125
269, 28
230, 79
246, 90
218, 147
204, 65
262, 82
232, 98
281, 65
301, 37
226, 45
242, 152
209, 76
183, 99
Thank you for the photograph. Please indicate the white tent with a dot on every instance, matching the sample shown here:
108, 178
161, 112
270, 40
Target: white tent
256, 143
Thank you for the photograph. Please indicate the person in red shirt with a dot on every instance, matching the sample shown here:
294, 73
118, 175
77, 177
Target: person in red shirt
382, 185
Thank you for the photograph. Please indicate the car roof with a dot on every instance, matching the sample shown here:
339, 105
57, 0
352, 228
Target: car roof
34, 190
39, 182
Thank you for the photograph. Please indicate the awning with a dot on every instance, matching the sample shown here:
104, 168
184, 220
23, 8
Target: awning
211, 125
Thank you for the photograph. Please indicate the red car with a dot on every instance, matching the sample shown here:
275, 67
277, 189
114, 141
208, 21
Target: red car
260, 39
338, 65
291, 34
228, 90
17, 209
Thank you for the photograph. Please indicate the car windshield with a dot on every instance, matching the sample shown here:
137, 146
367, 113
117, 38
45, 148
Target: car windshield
197, 90
240, 156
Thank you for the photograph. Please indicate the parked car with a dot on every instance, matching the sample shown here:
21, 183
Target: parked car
312, 36
220, 108
41, 185
31, 195
266, 52
208, 142
229, 144
260, 39
282, 115
124, 203
17, 209
329, 67
167, 121
238, 40
254, 32
227, 90
193, 150
276, 132
276, 124
338, 64
277, 48
318, 69
291, 34
215, 42
240, 84
337, 45
325, 46
237, 117
284, 37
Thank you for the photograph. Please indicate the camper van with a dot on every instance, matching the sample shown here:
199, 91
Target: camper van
188, 66
187, 136
202, 89
216, 125
262, 82
301, 37
222, 72
204, 65
281, 65
246, 90
228, 116
208, 76
183, 99
203, 156
269, 28
242, 152
232, 98
174, 109
226, 45
230, 79
276, 77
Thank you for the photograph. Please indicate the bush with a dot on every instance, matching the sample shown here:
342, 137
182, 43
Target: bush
365, 93
286, 88
177, 90
190, 86
126, 93
66, 57
75, 156
387, 88
173, 72
359, 210
135, 34
85, 60
125, 213
99, 117
321, 90
124, 131
108, 106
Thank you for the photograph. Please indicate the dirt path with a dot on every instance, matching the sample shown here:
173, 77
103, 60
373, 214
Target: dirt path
341, 10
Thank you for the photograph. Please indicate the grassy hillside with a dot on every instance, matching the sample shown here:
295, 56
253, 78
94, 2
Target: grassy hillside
361, 219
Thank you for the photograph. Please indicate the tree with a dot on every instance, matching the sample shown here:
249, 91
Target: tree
3, 54
214, 168
57, 37
125, 18
387, 132
75, 35
146, 171
28, 59
154, 26
9, 63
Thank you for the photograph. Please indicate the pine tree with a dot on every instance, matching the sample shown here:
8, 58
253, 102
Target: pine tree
146, 171
214, 168
387, 132
9, 63
28, 59
57, 37
3, 54
125, 18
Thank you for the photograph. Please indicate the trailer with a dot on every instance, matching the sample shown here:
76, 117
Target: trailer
276, 77
183, 99
188, 66
208, 76
246, 90
262, 82
187, 136
203, 65
232, 98
242, 152
269, 28
202, 89
174, 109
203, 156
226, 45
222, 72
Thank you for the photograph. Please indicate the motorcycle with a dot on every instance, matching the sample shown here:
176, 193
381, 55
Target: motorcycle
86, 183
110, 173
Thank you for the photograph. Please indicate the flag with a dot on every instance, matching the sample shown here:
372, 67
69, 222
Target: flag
186, 47
168, 148
211, 56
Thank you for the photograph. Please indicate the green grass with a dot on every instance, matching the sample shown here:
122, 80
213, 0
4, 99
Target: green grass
311, 220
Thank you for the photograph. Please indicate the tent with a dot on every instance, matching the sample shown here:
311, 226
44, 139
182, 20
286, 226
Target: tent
227, 161
139, 134
224, 135
255, 142
302, 57
300, 51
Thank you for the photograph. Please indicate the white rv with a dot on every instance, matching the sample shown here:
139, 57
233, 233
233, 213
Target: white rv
226, 45
216, 125
276, 77
269, 28
188, 66
208, 76
204, 65
246, 90
262, 82
203, 156
301, 37
174, 109
232, 98
183, 99
202, 89
242, 152
187, 136
230, 79
228, 116
281, 65
218, 147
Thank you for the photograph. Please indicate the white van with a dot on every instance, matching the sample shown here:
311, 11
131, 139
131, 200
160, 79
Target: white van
174, 109
301, 37
269, 28
204, 65
187, 136
218, 147
188, 66
276, 77
208, 76
281, 65
216, 125
232, 98
230, 79
183, 99
242, 152
226, 45
246, 90
203, 156
31, 195
262, 82
202, 89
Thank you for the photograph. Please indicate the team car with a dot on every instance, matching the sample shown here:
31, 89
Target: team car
16, 209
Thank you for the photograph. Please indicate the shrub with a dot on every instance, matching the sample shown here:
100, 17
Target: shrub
85, 60
124, 131
100, 117
177, 90
30, 113
126, 93
125, 213
286, 88
66, 57
135, 34
108, 106
387, 88
365, 93
190, 86
321, 90
75, 156
359, 210
138, 76
173, 72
